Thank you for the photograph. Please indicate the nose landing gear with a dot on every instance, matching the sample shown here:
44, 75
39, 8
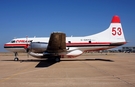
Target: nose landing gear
16, 58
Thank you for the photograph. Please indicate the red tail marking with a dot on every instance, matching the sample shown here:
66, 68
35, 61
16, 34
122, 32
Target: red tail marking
115, 19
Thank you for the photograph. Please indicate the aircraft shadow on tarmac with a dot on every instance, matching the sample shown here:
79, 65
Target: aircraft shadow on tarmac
46, 63
96, 59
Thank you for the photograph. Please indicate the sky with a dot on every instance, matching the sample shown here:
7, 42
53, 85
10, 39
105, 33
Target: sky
21, 18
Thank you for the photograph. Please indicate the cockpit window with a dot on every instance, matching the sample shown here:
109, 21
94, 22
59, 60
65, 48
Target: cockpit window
13, 41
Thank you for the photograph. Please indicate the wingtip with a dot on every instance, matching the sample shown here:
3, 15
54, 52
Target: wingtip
115, 19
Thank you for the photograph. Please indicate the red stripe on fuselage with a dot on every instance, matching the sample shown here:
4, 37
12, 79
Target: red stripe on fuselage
67, 44
16, 45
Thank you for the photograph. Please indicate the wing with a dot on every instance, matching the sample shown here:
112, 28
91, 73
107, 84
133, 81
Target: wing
57, 43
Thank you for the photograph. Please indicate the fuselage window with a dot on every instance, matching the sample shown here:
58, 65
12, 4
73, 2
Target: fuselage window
30, 41
69, 41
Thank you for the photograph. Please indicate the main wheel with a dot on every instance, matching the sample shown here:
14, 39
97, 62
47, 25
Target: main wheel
16, 59
57, 58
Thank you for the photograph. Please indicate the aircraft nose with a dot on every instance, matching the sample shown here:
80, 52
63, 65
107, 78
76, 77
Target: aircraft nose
5, 45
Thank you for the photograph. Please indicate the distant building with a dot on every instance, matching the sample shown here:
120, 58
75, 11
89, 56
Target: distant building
128, 49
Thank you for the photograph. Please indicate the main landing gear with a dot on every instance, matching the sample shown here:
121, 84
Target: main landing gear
57, 58
54, 58
16, 58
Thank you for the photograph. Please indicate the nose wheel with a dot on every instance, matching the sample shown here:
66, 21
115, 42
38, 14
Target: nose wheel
16, 58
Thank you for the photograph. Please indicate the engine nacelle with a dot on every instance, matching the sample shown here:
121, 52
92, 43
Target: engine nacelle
38, 47
67, 54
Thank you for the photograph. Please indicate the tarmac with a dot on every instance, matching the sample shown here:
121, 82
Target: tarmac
88, 70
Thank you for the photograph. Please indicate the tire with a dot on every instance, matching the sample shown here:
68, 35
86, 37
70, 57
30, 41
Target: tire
16, 59
57, 59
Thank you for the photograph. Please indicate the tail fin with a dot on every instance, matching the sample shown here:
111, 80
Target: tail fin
113, 34
115, 30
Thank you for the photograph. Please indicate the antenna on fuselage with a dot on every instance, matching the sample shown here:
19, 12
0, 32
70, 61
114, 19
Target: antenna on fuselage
27, 39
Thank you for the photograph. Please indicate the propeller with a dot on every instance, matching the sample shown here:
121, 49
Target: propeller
28, 50
27, 46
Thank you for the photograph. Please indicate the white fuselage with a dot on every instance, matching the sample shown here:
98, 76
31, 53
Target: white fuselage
81, 43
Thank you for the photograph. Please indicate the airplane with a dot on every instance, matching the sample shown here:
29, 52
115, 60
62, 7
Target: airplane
59, 46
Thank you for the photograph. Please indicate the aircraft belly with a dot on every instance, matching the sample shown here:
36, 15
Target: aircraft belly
95, 48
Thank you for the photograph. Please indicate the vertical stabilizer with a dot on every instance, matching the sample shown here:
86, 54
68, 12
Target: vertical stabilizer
115, 30
113, 34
